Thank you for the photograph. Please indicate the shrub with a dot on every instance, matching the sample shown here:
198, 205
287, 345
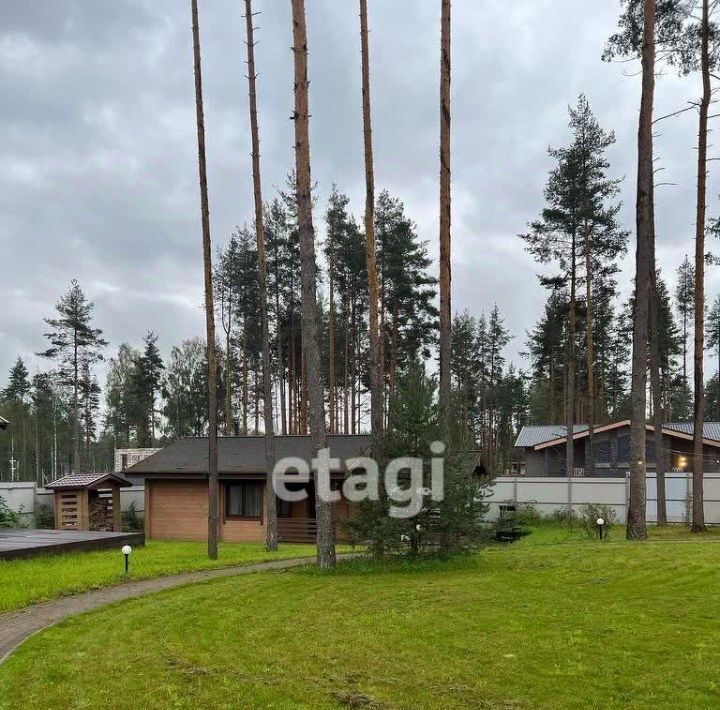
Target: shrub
8, 517
131, 521
566, 516
590, 515
527, 514
44, 518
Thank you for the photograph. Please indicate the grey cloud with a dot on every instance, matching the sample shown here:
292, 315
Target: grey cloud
98, 163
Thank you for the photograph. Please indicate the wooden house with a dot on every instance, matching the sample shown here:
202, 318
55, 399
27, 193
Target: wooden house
176, 488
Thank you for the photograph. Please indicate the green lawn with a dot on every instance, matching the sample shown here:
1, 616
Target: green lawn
551, 533
26, 582
531, 625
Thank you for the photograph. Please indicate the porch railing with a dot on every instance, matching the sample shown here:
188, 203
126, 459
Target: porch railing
297, 529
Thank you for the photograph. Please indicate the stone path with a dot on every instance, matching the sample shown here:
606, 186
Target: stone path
16, 626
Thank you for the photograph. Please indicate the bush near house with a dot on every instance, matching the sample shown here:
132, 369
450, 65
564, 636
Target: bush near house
8, 517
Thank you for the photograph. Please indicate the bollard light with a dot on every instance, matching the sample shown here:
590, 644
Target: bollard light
601, 524
126, 550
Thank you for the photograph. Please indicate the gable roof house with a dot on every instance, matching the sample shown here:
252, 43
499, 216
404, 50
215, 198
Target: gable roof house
176, 499
541, 448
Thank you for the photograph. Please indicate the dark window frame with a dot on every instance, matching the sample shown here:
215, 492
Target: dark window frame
234, 516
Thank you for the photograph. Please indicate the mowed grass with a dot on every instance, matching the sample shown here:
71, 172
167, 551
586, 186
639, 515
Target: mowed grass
522, 626
24, 582
551, 533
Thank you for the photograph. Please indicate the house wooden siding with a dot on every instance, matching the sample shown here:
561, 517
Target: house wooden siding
178, 510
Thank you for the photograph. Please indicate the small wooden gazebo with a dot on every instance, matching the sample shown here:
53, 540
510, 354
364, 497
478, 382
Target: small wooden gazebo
88, 501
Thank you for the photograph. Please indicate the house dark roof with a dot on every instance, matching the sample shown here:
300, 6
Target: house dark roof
538, 433
533, 435
88, 480
3, 423
241, 454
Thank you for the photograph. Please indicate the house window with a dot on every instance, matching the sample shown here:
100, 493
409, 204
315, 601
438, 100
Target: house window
244, 500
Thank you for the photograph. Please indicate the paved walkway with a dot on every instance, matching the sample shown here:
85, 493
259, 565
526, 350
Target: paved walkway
16, 626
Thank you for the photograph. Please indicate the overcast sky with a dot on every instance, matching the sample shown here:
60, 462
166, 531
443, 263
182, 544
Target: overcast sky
98, 172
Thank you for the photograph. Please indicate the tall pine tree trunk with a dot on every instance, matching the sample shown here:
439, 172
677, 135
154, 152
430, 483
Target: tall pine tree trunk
655, 386
246, 384
323, 508
445, 196
269, 424
698, 511
590, 452
376, 364
228, 370
209, 304
332, 394
570, 370
636, 515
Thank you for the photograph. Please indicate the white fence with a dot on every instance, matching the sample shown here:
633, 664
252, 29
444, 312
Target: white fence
26, 498
548, 494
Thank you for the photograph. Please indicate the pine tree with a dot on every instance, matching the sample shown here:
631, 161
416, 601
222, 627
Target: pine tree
445, 199
308, 267
269, 424
209, 302
414, 425
639, 30
375, 365
73, 341
578, 229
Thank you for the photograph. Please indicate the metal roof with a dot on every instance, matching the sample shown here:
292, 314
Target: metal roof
711, 430
87, 480
242, 454
534, 434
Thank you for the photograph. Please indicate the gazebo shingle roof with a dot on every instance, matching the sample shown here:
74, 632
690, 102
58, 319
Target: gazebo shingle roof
88, 480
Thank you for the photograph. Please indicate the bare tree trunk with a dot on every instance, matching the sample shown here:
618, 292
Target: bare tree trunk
323, 508
303, 395
376, 364
269, 424
332, 394
698, 511
228, 369
445, 197
245, 389
209, 304
281, 368
346, 379
655, 386
570, 374
590, 452
636, 516
353, 367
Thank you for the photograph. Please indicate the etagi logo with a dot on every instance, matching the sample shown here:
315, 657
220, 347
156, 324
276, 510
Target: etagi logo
363, 483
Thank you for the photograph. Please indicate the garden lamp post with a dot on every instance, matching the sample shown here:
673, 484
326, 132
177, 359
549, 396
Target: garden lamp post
601, 524
126, 550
